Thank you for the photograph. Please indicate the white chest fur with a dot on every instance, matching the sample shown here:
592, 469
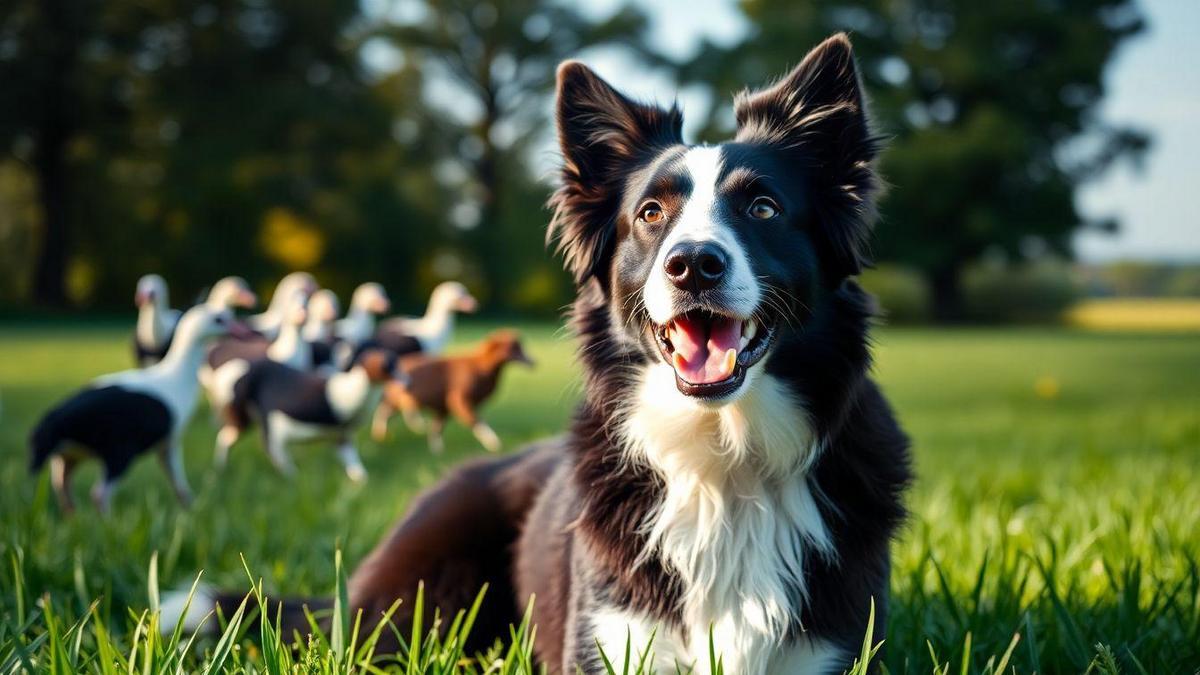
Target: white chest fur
736, 522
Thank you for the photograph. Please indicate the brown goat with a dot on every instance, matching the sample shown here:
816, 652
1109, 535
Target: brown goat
451, 385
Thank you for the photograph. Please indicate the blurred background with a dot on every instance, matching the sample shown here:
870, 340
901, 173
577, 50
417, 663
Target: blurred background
1039, 148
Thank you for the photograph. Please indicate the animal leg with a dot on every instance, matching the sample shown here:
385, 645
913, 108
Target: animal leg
60, 479
465, 412
102, 494
413, 420
383, 412
353, 463
172, 459
114, 468
486, 436
226, 437
409, 407
436, 443
276, 445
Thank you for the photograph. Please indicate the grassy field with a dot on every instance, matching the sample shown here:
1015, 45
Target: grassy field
1057, 501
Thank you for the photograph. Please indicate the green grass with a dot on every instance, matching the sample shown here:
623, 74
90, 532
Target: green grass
1057, 500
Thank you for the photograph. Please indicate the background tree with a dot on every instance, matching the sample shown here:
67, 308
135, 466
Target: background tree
495, 65
60, 74
991, 109
200, 138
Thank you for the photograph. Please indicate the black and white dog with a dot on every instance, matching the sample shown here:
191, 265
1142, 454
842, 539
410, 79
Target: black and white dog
732, 471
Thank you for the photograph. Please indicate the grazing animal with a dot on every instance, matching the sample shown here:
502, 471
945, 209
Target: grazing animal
430, 333
292, 405
121, 416
229, 359
269, 321
155, 322
451, 385
732, 477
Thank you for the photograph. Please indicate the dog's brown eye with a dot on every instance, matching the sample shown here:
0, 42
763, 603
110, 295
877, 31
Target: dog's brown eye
651, 213
763, 209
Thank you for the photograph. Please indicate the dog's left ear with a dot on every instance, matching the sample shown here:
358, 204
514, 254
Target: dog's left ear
602, 135
818, 112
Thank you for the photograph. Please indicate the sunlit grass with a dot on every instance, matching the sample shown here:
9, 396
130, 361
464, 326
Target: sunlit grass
1057, 502
1144, 314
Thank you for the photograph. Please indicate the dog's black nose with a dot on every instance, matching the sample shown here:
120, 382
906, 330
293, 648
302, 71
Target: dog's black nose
695, 266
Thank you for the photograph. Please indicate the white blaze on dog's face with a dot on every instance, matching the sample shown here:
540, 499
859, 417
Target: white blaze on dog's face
710, 256
700, 230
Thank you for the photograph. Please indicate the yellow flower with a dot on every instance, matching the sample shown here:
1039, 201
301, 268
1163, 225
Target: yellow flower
1047, 387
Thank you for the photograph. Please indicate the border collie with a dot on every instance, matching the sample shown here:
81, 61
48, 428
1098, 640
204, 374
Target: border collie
732, 473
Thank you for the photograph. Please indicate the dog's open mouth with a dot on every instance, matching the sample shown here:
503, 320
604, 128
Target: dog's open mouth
711, 352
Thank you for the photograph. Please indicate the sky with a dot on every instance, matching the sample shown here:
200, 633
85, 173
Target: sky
1153, 84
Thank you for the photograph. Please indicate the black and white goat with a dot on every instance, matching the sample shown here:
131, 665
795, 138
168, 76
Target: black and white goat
229, 359
293, 406
121, 416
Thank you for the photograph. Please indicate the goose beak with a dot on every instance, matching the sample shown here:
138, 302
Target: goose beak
246, 299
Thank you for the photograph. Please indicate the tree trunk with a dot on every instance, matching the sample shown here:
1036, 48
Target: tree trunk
49, 280
945, 284
487, 234
50, 163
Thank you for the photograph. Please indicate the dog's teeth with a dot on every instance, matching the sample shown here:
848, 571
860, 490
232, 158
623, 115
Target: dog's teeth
730, 362
679, 362
750, 330
745, 341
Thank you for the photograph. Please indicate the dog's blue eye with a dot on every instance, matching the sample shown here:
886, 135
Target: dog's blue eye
763, 209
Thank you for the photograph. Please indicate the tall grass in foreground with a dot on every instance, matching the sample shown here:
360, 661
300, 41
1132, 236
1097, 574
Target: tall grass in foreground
1057, 500
46, 639
49, 642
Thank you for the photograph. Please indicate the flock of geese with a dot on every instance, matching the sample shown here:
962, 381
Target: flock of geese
298, 369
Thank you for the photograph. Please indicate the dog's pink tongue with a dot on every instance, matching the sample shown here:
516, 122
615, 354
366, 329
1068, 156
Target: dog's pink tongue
705, 352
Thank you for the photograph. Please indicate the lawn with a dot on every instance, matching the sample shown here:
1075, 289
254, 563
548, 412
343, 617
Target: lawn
1057, 501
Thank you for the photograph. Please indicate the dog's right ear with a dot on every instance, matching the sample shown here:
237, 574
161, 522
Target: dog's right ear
602, 134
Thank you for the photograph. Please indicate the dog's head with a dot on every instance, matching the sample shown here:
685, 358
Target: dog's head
708, 256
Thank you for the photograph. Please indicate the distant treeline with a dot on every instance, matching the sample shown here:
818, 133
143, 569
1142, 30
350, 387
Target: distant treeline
406, 143
1035, 291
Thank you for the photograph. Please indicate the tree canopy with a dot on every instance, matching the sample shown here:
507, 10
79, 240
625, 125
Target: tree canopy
199, 138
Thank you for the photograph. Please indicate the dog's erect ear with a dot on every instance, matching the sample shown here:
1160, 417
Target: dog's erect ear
818, 111
602, 134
